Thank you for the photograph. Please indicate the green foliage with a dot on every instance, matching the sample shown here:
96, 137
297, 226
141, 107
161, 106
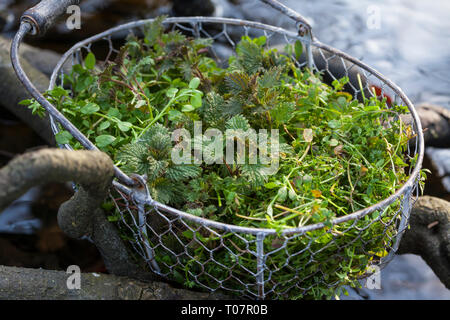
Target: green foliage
335, 156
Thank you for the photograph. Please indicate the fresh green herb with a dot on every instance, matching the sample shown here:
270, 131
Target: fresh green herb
335, 157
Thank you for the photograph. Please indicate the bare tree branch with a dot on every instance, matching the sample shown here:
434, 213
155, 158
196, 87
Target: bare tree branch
81, 215
429, 235
12, 91
91, 169
32, 284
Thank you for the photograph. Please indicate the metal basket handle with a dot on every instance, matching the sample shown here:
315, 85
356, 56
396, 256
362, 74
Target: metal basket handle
303, 25
43, 15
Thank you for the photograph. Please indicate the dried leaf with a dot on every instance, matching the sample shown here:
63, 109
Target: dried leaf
316, 193
308, 135
338, 150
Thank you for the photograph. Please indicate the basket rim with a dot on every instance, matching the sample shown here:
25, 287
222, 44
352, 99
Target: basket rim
406, 189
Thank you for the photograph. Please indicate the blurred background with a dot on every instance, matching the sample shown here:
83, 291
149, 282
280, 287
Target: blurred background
406, 40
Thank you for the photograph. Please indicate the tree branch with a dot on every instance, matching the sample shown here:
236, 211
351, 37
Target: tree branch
429, 235
33, 284
91, 169
12, 91
81, 215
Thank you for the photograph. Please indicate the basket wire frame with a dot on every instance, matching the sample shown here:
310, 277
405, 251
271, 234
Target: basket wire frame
167, 239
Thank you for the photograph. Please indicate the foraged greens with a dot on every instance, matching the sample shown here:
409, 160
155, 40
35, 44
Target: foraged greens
337, 156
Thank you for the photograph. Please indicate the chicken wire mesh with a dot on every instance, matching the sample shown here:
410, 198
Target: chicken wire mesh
250, 262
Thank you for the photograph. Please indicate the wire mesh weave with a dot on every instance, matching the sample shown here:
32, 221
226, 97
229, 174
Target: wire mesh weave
171, 241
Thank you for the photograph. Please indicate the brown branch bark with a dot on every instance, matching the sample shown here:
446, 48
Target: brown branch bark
429, 235
81, 215
12, 91
436, 120
33, 284
91, 169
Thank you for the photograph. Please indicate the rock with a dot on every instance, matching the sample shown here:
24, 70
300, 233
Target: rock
440, 159
192, 8
440, 162
429, 235
406, 277
436, 123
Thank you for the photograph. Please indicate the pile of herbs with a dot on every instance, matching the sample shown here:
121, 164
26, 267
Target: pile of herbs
337, 156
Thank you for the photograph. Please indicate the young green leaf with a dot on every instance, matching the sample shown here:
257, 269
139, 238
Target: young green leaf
187, 108
124, 126
104, 140
171, 92
63, 137
194, 83
90, 108
90, 60
298, 48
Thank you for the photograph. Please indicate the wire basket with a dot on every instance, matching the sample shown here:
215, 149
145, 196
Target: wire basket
169, 240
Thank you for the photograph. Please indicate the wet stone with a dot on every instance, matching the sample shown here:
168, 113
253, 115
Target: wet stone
441, 160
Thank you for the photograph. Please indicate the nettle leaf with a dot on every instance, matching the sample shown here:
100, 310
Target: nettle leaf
154, 30
213, 109
283, 112
238, 122
237, 82
183, 172
271, 78
249, 55
175, 115
257, 174
144, 62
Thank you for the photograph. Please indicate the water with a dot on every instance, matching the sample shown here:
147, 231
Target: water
409, 43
